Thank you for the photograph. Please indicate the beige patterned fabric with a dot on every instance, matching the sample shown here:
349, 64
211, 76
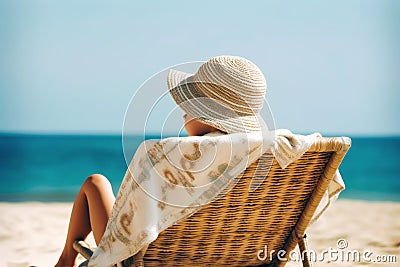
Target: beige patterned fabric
170, 179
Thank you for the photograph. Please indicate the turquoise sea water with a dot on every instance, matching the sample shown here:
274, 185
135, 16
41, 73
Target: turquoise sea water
53, 167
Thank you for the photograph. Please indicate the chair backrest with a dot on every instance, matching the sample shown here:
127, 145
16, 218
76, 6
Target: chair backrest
231, 230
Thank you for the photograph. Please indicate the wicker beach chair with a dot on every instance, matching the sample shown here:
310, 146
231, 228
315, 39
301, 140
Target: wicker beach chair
232, 230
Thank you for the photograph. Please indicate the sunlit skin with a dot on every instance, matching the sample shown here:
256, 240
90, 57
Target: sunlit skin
196, 128
94, 202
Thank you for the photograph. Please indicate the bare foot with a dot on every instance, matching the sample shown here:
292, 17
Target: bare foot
66, 261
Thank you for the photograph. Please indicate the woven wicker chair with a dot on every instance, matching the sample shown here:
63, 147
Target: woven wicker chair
230, 231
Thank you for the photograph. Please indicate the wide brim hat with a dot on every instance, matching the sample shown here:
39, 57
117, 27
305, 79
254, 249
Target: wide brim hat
227, 92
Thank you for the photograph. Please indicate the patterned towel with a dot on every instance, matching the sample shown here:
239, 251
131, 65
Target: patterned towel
170, 179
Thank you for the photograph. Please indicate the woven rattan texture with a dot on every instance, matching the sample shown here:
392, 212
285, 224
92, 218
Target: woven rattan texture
231, 230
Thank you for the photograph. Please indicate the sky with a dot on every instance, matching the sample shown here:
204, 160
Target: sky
73, 67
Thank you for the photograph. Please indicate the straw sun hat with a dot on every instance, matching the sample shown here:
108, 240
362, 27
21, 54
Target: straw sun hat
227, 92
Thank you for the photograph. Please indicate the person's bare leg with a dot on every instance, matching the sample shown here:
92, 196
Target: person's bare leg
90, 212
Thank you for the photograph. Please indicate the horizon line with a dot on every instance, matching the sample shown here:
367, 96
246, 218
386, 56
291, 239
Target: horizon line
169, 134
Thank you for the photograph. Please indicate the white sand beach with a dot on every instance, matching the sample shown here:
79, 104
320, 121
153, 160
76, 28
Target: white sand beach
34, 233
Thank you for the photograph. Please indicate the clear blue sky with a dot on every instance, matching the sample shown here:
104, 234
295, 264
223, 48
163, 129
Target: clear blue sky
72, 67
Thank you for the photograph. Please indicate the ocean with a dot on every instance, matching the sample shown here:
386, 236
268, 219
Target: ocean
51, 168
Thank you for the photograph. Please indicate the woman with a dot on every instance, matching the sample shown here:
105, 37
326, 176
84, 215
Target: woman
226, 94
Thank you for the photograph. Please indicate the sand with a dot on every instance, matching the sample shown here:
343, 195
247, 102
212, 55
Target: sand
34, 233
